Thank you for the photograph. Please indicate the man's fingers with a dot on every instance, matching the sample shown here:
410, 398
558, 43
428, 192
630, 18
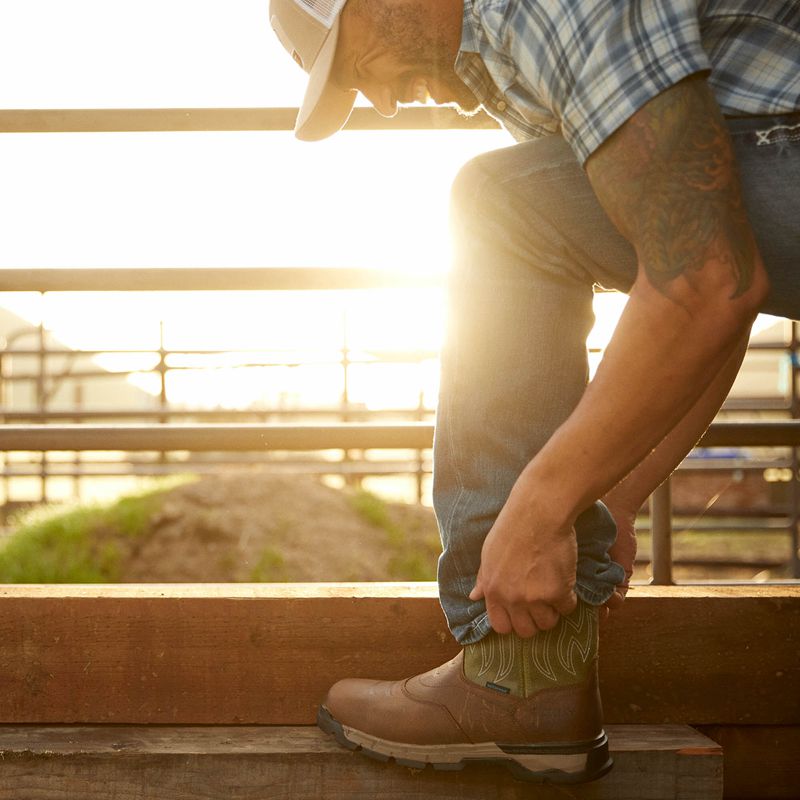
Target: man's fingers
477, 592
567, 604
522, 622
499, 619
545, 617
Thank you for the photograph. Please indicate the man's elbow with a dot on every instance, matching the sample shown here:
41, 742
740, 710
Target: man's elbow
732, 296
739, 301
713, 306
755, 296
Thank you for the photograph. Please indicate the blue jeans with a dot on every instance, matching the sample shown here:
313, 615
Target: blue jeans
531, 241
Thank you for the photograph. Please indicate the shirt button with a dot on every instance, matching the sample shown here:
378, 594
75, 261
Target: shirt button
501, 106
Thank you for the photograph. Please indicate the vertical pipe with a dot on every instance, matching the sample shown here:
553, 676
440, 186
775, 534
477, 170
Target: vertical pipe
4, 395
420, 463
162, 371
661, 527
41, 400
163, 401
349, 478
76, 480
345, 363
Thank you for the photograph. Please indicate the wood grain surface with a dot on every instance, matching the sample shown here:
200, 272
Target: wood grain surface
260, 654
760, 760
284, 763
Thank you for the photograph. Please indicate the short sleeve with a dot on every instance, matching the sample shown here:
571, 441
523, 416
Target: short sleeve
645, 48
595, 63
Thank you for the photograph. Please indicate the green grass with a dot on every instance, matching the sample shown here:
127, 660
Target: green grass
82, 545
409, 560
270, 567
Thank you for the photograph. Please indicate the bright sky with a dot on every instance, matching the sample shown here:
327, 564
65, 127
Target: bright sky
206, 199
201, 199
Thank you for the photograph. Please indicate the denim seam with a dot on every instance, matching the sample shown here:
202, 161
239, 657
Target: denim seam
480, 626
477, 629
450, 438
590, 596
455, 457
782, 134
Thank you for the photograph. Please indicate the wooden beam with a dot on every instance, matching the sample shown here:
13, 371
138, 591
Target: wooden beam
760, 760
266, 654
248, 763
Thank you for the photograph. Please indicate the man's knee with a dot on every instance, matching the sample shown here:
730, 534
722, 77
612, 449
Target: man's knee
520, 183
469, 190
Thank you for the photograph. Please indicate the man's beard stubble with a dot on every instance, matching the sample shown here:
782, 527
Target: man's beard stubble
404, 33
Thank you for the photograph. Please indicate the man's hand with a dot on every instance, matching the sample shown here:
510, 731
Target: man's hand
527, 573
623, 551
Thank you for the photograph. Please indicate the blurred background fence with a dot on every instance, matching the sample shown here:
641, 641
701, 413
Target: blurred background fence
76, 419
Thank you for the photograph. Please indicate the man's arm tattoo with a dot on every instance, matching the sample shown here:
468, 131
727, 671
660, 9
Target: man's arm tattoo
668, 180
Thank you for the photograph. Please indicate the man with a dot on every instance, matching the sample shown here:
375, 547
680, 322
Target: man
659, 154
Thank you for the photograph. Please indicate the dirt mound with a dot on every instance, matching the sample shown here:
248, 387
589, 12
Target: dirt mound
260, 527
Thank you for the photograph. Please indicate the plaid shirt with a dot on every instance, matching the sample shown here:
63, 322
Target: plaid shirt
583, 67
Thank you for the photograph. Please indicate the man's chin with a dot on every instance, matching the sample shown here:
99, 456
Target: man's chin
454, 93
470, 111
465, 101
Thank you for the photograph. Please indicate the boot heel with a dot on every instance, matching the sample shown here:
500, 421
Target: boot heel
556, 765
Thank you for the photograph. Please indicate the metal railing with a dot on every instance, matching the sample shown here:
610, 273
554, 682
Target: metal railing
124, 120
240, 438
344, 436
45, 378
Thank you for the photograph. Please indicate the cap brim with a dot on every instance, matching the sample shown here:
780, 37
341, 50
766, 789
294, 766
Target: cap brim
325, 107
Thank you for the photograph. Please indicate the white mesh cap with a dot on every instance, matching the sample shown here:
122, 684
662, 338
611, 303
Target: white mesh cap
326, 11
308, 30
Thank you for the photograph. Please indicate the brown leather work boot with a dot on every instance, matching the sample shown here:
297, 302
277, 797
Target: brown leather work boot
532, 704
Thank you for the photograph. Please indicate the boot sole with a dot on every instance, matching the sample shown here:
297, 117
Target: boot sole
573, 762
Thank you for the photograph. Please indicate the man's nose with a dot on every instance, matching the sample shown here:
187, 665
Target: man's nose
382, 99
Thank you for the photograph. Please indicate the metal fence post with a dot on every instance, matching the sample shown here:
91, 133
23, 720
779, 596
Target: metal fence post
163, 398
661, 527
41, 400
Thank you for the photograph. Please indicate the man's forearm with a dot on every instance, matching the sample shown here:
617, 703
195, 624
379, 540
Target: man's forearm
646, 385
629, 495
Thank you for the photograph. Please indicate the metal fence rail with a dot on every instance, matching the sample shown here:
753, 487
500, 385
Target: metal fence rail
417, 436
221, 438
237, 438
191, 279
114, 120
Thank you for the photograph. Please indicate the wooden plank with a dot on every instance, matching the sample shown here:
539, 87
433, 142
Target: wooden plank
282, 763
761, 761
266, 654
